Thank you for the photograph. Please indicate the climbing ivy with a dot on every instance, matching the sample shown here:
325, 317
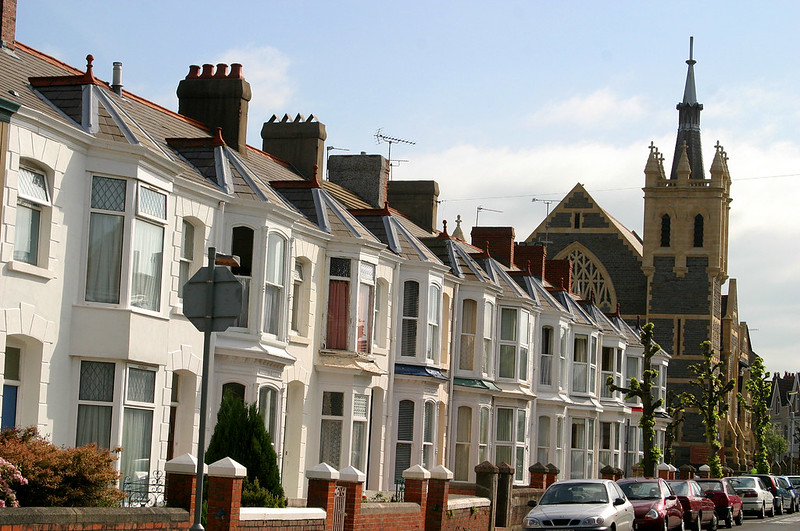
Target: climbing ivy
712, 388
644, 391
759, 389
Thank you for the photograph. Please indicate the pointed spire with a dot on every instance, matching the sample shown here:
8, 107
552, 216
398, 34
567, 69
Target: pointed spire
689, 123
690, 91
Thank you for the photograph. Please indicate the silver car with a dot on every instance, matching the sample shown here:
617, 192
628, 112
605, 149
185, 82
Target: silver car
591, 504
755, 496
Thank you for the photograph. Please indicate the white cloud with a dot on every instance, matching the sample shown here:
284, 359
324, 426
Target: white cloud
601, 108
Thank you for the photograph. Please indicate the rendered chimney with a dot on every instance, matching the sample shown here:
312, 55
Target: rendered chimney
367, 176
500, 240
218, 99
299, 142
8, 27
416, 200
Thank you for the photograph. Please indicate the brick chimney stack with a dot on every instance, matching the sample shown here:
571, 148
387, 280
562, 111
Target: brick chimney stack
367, 176
299, 142
8, 29
500, 240
218, 99
417, 200
533, 254
559, 273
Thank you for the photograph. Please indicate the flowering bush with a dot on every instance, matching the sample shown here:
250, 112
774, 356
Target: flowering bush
9, 474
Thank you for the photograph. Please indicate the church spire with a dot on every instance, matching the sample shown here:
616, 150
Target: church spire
689, 124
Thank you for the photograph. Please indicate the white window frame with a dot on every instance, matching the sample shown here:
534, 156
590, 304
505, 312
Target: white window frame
130, 404
515, 445
468, 330
546, 359
429, 425
434, 323
488, 338
332, 418
463, 443
358, 456
366, 286
409, 342
275, 283
583, 453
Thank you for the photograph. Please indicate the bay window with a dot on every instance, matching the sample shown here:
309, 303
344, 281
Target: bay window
358, 449
514, 339
408, 339
95, 403
510, 437
543, 440
106, 222
610, 365
434, 303
405, 437
273, 288
488, 334
242, 246
366, 301
463, 443
632, 370
428, 435
609, 444
298, 293
593, 367
581, 448
338, 303
546, 359
330, 433
580, 366
469, 323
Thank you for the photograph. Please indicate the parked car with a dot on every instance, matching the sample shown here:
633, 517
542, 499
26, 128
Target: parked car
655, 505
698, 510
781, 498
756, 498
794, 480
727, 502
596, 503
784, 483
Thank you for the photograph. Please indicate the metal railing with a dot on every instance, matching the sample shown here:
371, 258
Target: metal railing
145, 492
399, 490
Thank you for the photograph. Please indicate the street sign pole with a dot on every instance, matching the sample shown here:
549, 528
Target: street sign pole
201, 440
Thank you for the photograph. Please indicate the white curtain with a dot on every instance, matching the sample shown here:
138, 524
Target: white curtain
137, 434
94, 425
148, 243
105, 258
26, 240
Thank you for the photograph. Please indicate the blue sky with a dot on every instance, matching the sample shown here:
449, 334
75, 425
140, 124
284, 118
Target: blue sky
505, 101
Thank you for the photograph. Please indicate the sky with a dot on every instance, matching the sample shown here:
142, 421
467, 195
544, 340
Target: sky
501, 102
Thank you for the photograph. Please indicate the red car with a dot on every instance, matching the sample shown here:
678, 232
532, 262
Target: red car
698, 510
655, 506
728, 503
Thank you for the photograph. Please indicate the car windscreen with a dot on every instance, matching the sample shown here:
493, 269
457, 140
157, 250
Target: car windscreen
709, 486
641, 490
680, 488
795, 481
784, 483
575, 493
743, 483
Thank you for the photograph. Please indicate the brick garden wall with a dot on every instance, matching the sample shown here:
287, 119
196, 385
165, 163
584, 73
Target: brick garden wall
467, 518
390, 517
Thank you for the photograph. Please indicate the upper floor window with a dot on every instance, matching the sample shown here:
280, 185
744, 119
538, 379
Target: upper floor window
488, 334
187, 255
298, 297
273, 288
242, 246
632, 370
665, 229
366, 301
580, 367
576, 220
610, 365
546, 360
408, 339
469, 325
514, 337
434, 304
33, 200
698, 230
338, 303
148, 248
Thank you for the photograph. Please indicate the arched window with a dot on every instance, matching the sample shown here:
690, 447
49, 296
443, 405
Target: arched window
665, 228
588, 278
273, 289
187, 255
234, 387
698, 230
408, 341
267, 406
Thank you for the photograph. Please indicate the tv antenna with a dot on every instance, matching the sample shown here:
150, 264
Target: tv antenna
478, 212
547, 202
380, 137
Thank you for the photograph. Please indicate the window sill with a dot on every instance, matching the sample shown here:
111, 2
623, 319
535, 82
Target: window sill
299, 340
32, 270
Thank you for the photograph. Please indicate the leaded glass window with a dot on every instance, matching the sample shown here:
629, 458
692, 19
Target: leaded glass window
588, 279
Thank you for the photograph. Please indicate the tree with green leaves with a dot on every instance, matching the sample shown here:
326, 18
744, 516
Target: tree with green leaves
759, 389
712, 388
644, 391
240, 434
774, 443
674, 409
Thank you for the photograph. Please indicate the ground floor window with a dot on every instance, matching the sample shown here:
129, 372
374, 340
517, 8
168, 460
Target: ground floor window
510, 437
95, 403
582, 448
330, 443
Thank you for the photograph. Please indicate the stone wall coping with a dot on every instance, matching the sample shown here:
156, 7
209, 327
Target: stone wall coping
663, 466
705, 468
282, 514
389, 508
441, 472
91, 515
352, 475
227, 468
185, 464
416, 472
322, 471
456, 501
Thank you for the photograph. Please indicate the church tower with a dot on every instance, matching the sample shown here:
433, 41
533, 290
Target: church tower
685, 253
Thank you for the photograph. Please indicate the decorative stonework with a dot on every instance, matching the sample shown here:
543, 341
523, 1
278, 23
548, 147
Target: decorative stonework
589, 277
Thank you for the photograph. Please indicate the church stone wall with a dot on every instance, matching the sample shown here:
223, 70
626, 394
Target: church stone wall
689, 294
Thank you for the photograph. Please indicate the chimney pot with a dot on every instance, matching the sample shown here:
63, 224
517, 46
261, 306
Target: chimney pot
116, 83
208, 71
236, 71
222, 70
194, 72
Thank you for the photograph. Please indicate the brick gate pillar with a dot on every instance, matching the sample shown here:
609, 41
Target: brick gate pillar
181, 482
322, 489
353, 480
225, 478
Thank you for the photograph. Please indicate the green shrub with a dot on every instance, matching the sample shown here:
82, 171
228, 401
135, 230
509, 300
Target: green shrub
60, 477
254, 495
240, 435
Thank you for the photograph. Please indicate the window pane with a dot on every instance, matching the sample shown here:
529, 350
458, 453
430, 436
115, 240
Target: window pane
359, 442
366, 272
508, 324
578, 434
519, 464
33, 186
94, 425
97, 381
523, 363
333, 404
405, 421
267, 404
410, 299
508, 355
108, 194
141, 385
579, 377
360, 406
402, 459
464, 431
9, 412
104, 261
272, 308
408, 339
340, 267
187, 241
152, 203
427, 434
275, 252
338, 310
521, 424
365, 314
580, 349
505, 425
242, 246
233, 387
148, 243
137, 433
461, 472
330, 442
484, 434
11, 364
26, 236
504, 454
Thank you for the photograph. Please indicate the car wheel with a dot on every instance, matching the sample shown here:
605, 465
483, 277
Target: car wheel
779, 509
729, 519
739, 518
763, 511
697, 525
666, 523
771, 513
682, 526
712, 525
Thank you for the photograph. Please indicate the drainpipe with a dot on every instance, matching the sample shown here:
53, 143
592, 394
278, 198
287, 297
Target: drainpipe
390, 387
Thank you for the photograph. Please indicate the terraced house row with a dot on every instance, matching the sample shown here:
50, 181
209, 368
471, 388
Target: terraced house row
369, 336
